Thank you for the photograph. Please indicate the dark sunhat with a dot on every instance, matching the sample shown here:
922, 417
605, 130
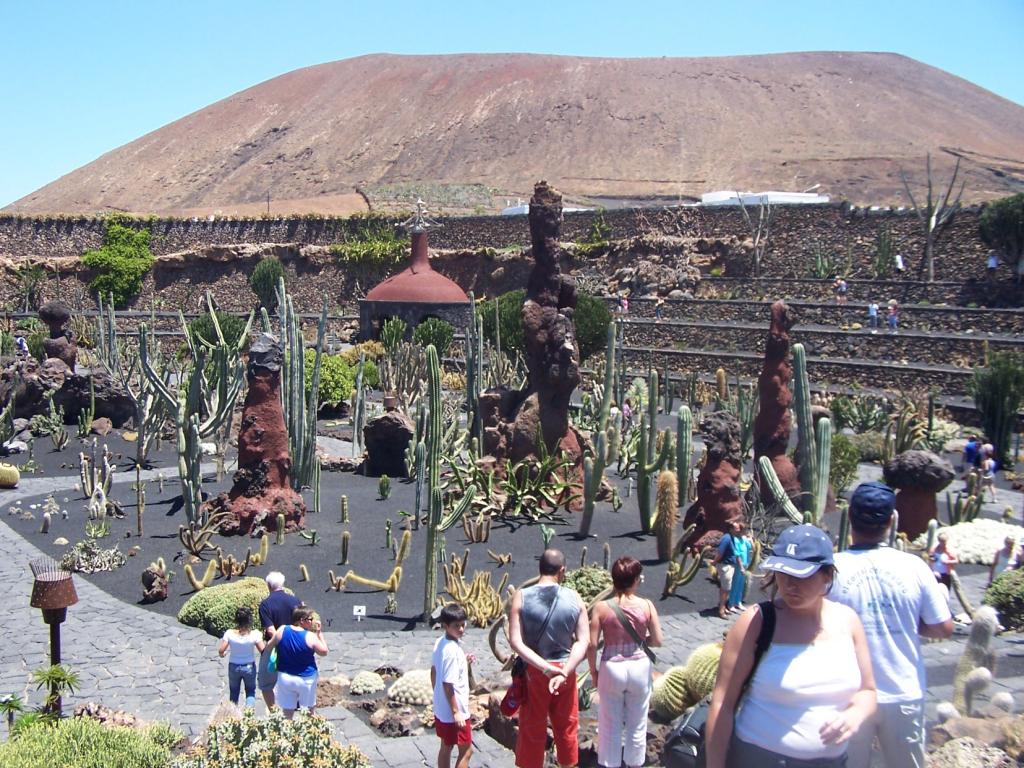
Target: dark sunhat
799, 551
872, 505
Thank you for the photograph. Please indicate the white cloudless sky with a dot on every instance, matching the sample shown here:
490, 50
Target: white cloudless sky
82, 78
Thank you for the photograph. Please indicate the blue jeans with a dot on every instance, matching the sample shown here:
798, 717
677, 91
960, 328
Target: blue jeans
237, 674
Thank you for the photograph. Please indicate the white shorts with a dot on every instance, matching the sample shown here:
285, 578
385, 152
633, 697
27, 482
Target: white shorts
725, 574
293, 691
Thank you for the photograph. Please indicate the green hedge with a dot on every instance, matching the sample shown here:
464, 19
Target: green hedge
1006, 595
121, 264
83, 743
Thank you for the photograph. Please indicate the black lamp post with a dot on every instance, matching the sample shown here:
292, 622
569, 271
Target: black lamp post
53, 592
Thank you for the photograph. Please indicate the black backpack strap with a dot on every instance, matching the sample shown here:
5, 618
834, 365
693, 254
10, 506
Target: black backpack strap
764, 638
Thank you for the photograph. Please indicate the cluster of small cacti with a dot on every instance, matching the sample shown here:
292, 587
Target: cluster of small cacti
197, 538
366, 682
654, 450
207, 580
96, 472
978, 659
229, 566
968, 503
683, 686
500, 558
478, 529
683, 566
590, 582
482, 602
412, 688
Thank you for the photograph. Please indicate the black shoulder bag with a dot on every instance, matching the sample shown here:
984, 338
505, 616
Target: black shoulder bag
684, 746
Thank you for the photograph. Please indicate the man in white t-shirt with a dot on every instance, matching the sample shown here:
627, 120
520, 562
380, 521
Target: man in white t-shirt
898, 601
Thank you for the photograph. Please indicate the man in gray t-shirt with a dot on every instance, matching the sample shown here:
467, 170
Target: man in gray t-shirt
898, 601
548, 628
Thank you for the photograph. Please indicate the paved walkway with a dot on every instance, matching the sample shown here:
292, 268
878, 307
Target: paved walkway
133, 659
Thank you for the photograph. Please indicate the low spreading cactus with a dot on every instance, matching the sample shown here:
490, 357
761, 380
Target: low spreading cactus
366, 682
683, 686
413, 688
213, 608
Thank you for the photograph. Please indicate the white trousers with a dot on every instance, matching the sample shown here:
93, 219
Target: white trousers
625, 691
899, 728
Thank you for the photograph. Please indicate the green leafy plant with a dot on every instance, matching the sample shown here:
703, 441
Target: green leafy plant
375, 242
1006, 595
337, 378
35, 344
213, 608
589, 581
434, 331
392, 332
83, 743
121, 264
998, 390
1002, 226
596, 240
57, 679
231, 327
30, 279
860, 413
884, 260
272, 741
591, 319
843, 467
6, 343
263, 281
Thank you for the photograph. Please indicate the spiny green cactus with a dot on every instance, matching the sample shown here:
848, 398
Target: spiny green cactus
666, 513
387, 534
344, 509
764, 464
967, 505
384, 486
683, 686
346, 538
9, 476
815, 443
437, 521
977, 653
547, 533
649, 459
593, 468
684, 450
280, 529
844, 530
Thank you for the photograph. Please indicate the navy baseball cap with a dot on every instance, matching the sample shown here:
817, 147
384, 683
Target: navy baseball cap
872, 505
800, 551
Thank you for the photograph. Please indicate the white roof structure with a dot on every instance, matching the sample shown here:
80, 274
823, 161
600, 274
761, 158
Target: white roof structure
730, 197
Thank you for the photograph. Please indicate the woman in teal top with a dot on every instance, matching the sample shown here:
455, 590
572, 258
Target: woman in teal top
742, 549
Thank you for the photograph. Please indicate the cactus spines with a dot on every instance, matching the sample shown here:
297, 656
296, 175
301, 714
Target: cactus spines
280, 529
303, 572
649, 458
721, 387
684, 450
344, 509
346, 538
402, 551
477, 530
9, 475
604, 436
547, 533
764, 464
844, 530
260, 558
607, 559
683, 686
387, 534
978, 654
198, 584
384, 486
666, 514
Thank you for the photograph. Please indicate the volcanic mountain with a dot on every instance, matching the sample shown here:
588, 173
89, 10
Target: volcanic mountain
320, 138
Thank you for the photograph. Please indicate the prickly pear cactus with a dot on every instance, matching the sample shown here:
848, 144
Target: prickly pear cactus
9, 476
412, 688
366, 682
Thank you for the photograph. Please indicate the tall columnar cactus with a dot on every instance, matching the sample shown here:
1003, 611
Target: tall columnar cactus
437, 521
649, 459
200, 407
358, 408
604, 435
474, 357
669, 392
300, 409
764, 464
977, 653
813, 450
667, 514
684, 450
844, 530
421, 467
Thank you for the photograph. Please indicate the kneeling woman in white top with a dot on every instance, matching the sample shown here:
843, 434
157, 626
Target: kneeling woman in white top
813, 687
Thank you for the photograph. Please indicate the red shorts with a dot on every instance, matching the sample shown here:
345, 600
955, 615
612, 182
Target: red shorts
452, 735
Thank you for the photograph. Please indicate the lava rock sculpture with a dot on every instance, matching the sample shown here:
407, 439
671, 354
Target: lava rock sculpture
261, 489
774, 421
918, 476
61, 343
719, 501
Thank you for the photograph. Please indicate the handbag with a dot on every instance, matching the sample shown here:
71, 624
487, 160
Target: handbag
516, 693
628, 626
684, 746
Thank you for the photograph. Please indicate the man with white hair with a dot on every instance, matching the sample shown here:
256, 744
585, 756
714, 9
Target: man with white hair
275, 612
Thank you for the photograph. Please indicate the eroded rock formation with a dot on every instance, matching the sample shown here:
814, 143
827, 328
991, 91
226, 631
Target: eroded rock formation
61, 343
386, 439
514, 421
918, 476
262, 489
718, 485
774, 421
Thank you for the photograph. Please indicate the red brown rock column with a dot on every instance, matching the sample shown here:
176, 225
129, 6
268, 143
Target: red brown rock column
262, 487
774, 421
719, 501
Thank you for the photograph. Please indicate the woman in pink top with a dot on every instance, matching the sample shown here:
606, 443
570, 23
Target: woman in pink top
624, 681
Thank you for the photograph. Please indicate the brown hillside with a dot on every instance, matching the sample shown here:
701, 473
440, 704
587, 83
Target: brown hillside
592, 127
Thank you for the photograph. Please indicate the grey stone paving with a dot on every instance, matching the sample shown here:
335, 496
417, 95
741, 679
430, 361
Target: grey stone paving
132, 659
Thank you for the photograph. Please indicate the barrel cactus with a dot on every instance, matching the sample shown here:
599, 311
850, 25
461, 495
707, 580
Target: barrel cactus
366, 682
9, 476
413, 688
683, 686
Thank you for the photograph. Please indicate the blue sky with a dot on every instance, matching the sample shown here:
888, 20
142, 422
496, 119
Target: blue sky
85, 77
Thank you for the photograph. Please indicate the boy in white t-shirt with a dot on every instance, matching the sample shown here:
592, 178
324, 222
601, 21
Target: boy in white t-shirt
449, 675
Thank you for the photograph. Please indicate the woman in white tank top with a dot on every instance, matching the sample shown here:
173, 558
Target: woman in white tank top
813, 687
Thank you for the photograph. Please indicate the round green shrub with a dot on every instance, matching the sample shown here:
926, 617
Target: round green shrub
337, 378
35, 344
1006, 595
870, 445
82, 743
434, 331
371, 375
591, 320
264, 280
121, 264
29, 324
588, 581
231, 326
213, 609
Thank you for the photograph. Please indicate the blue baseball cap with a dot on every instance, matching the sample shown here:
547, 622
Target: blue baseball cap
800, 551
872, 505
